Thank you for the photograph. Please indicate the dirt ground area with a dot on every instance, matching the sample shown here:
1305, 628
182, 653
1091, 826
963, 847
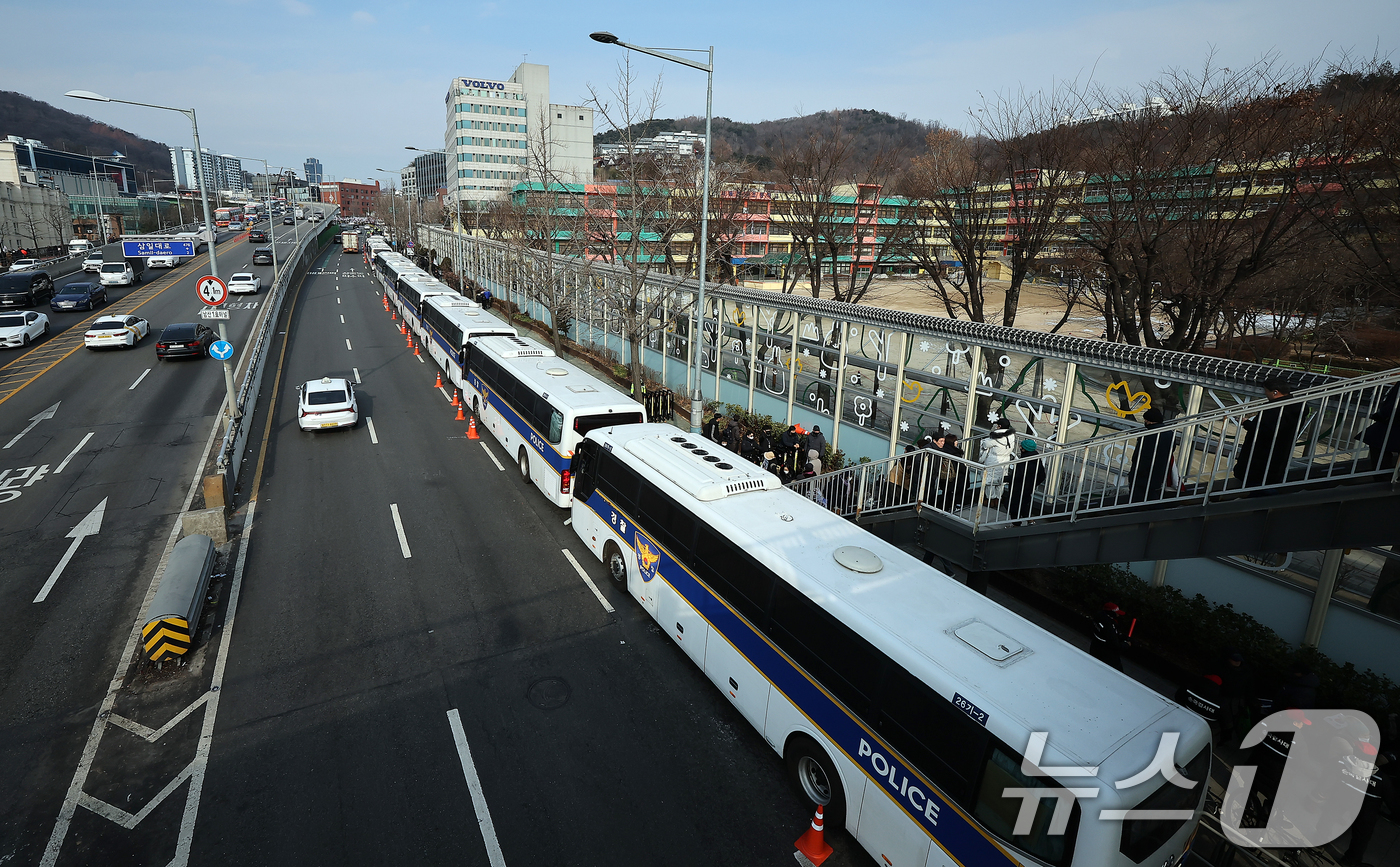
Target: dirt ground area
1039, 310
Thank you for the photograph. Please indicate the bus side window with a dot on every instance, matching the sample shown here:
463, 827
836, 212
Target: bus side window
584, 466
999, 813
556, 425
942, 742
464, 357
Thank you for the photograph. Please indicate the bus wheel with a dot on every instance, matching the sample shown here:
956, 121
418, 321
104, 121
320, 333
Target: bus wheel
616, 564
476, 407
816, 779
524, 465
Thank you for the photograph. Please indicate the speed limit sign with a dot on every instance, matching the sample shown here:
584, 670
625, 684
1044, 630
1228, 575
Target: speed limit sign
212, 290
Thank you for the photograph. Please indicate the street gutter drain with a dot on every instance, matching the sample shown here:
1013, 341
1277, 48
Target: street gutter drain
549, 693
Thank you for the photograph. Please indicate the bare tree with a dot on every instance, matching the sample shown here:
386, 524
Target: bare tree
621, 225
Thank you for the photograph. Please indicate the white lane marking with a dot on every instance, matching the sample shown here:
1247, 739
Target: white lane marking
99, 725
445, 394
398, 526
483, 813
337, 300
89, 526
348, 346
420, 359
74, 452
357, 375
132, 387
492, 455
342, 318
607, 606
568, 521
373, 437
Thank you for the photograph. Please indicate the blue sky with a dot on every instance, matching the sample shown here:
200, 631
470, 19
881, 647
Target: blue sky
352, 83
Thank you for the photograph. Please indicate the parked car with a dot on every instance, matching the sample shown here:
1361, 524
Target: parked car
328, 402
123, 273
20, 329
25, 264
109, 331
93, 262
262, 256
244, 283
24, 288
79, 295
184, 339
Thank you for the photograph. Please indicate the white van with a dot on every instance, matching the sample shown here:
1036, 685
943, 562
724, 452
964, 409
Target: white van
79, 246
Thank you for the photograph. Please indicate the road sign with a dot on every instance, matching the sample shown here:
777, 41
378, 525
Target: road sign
157, 247
212, 290
213, 313
221, 349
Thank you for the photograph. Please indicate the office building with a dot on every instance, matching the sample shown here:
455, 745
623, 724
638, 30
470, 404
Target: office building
501, 133
312, 169
354, 198
408, 180
429, 173
93, 185
220, 172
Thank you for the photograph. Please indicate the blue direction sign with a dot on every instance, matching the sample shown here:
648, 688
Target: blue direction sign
134, 249
221, 349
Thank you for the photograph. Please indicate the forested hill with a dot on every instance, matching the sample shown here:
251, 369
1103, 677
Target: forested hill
751, 142
64, 130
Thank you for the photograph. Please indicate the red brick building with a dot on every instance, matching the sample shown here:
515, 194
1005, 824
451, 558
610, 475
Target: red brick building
352, 197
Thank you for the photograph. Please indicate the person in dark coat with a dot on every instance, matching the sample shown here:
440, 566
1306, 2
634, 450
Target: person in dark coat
1024, 478
713, 429
1240, 695
1263, 456
1384, 436
952, 474
1108, 643
486, 299
748, 448
1152, 460
817, 440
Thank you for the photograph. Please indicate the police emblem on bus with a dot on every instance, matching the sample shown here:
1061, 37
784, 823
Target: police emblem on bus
648, 556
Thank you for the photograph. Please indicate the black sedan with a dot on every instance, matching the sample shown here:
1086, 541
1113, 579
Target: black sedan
82, 295
184, 339
288, 220
262, 256
257, 236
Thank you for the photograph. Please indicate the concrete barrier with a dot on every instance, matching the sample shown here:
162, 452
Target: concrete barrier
173, 618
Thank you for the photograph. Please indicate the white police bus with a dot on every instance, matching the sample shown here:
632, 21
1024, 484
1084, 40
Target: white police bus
902, 701
407, 285
539, 406
449, 323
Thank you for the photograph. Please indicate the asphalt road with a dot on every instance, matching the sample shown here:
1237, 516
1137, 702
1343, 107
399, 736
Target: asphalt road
395, 594
130, 431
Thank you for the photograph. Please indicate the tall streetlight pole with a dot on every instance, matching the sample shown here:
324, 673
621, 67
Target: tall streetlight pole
267, 203
457, 200
697, 401
233, 412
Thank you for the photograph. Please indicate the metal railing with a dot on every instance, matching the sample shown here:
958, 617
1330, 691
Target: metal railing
1326, 435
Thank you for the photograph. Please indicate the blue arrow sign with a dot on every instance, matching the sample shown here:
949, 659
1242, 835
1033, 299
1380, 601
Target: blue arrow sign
135, 249
221, 349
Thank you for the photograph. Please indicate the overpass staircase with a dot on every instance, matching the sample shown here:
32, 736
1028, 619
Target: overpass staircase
1305, 481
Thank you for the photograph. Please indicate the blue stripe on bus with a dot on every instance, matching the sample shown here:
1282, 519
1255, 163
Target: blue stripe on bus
556, 461
948, 825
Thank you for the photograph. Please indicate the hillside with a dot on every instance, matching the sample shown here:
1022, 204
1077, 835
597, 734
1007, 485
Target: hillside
751, 142
64, 130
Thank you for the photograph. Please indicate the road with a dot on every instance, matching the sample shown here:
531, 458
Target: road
130, 431
403, 602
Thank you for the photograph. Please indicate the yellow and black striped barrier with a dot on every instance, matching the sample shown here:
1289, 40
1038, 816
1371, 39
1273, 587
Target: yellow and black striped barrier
168, 636
172, 621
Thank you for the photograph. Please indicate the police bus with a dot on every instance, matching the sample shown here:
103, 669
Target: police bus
449, 323
936, 726
539, 406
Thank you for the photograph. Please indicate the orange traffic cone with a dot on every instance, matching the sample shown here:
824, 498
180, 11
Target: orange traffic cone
386, 301
471, 430
393, 315
812, 843
408, 340
462, 417
403, 327
438, 384
415, 349
456, 398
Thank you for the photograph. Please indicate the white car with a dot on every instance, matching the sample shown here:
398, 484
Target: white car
109, 331
93, 262
116, 274
326, 403
162, 261
244, 283
20, 329
235, 227
25, 264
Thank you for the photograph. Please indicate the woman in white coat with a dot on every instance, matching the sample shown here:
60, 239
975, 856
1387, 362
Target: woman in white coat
998, 449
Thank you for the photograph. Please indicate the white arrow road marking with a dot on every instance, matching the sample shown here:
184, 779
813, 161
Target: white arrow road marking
46, 414
88, 526
74, 452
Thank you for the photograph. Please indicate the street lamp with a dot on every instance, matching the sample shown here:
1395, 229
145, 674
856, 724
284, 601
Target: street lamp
208, 220
697, 401
267, 200
456, 200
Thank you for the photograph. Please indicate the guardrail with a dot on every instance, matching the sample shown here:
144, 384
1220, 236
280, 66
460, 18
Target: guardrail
292, 269
1308, 440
